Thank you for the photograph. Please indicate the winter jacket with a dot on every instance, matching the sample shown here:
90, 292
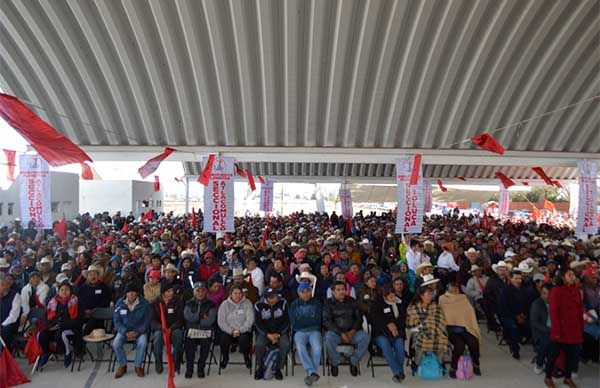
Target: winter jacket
236, 316
341, 317
538, 319
306, 316
91, 297
271, 319
566, 315
383, 314
512, 302
137, 320
200, 314
173, 314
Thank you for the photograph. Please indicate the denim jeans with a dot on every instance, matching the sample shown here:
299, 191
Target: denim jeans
176, 344
310, 360
140, 349
393, 351
592, 329
261, 347
513, 333
541, 346
360, 340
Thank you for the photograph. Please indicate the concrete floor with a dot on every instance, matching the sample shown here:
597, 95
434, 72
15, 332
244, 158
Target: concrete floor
498, 368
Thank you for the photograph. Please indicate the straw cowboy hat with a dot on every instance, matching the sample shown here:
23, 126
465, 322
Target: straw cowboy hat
45, 260
91, 268
4, 263
501, 264
422, 266
524, 267
429, 280
98, 335
171, 267
237, 273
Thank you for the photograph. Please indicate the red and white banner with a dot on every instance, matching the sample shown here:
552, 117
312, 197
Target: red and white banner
427, 190
346, 202
266, 196
411, 198
218, 196
503, 201
587, 221
35, 191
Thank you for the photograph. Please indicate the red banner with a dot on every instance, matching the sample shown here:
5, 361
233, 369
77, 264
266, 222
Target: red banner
167, 342
152, 164
414, 176
542, 174
156, 184
251, 180
204, 177
488, 143
10, 161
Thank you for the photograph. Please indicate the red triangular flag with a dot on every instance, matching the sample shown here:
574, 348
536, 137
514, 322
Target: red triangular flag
204, 177
194, 219
462, 178
148, 216
55, 148
251, 180
239, 171
441, 185
167, 343
542, 174
33, 349
414, 176
261, 180
10, 161
506, 181
61, 228
549, 206
86, 172
487, 142
156, 184
125, 228
557, 184
152, 164
535, 214
10, 374
525, 183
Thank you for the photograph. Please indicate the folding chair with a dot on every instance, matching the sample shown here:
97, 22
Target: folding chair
211, 353
371, 361
345, 359
104, 314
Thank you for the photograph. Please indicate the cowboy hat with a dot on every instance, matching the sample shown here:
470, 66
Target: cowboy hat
4, 263
237, 273
474, 268
422, 266
92, 268
524, 267
501, 264
171, 267
307, 276
429, 280
472, 250
576, 263
98, 335
248, 247
508, 254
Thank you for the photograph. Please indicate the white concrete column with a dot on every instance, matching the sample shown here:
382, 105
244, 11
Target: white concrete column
187, 195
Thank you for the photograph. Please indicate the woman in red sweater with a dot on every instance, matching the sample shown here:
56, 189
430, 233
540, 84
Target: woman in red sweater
566, 325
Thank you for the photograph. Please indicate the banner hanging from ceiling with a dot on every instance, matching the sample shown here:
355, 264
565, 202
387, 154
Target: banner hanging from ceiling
346, 202
503, 201
427, 192
266, 196
219, 196
411, 198
35, 191
587, 221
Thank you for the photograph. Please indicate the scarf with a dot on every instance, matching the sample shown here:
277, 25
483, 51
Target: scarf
394, 306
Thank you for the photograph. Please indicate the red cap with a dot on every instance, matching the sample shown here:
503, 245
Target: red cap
154, 274
100, 248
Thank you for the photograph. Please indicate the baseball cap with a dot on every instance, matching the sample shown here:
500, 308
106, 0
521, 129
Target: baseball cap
304, 286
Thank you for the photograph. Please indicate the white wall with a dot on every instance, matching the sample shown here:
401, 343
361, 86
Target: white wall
64, 197
144, 191
100, 196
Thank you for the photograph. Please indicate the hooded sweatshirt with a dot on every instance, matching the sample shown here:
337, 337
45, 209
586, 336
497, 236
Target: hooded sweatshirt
236, 316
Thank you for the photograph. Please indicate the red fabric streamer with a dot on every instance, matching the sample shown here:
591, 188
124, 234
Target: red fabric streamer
125, 228
506, 181
33, 349
148, 216
204, 177
239, 171
10, 161
462, 178
251, 180
535, 214
441, 185
542, 174
194, 219
557, 184
86, 172
266, 231
167, 342
55, 148
261, 180
486, 220
152, 164
61, 228
525, 183
156, 184
10, 374
488, 143
414, 176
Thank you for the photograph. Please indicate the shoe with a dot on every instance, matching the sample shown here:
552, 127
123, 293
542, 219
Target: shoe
189, 373
139, 371
224, 362
396, 379
259, 374
201, 373
248, 361
120, 372
537, 369
335, 371
68, 360
43, 360
159, 367
516, 355
277, 374
549, 382
314, 377
308, 381
452, 374
353, 370
570, 383
476, 370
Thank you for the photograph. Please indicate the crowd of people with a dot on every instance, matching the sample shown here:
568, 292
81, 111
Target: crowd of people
334, 290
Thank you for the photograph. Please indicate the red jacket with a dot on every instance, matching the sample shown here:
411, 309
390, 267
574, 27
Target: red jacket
207, 271
566, 315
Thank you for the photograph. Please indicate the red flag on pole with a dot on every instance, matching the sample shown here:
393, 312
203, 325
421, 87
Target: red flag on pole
55, 148
441, 185
525, 183
33, 349
266, 231
125, 228
535, 214
542, 174
61, 228
86, 172
152, 164
148, 216
156, 184
261, 180
167, 342
251, 180
10, 161
10, 374
549, 206
488, 143
204, 177
506, 181
239, 171
486, 220
557, 184
194, 219
414, 176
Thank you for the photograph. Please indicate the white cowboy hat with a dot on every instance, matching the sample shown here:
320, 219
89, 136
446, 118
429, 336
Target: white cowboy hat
4, 263
509, 254
61, 278
524, 267
92, 268
428, 280
472, 250
98, 335
474, 267
501, 264
307, 276
65, 267
576, 263
237, 273
171, 267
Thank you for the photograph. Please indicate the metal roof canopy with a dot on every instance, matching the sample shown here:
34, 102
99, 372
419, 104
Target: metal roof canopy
309, 87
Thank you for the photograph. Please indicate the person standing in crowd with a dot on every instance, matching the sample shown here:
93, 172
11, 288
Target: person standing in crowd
92, 294
566, 330
413, 255
513, 310
343, 322
173, 311
539, 319
132, 323
200, 317
235, 318
389, 331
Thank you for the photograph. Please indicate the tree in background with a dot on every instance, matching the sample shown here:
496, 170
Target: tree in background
538, 194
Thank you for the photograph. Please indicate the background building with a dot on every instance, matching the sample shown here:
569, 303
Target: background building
119, 195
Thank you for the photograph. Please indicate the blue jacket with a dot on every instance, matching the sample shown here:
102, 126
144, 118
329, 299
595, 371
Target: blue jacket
137, 320
306, 316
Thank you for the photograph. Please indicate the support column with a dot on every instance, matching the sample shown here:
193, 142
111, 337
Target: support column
187, 195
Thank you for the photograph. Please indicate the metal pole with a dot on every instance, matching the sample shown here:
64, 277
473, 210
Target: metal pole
187, 195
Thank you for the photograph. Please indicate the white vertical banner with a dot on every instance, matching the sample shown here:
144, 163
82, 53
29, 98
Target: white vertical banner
411, 199
266, 196
427, 192
346, 202
573, 199
503, 201
35, 191
587, 221
219, 197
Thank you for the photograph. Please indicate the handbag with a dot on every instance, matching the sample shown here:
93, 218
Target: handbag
464, 369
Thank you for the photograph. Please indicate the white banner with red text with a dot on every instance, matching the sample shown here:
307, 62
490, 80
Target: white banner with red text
587, 221
411, 199
35, 191
346, 202
427, 192
503, 201
219, 195
266, 196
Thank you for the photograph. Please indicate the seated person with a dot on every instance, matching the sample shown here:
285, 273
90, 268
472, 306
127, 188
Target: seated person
388, 328
93, 294
33, 295
343, 321
235, 318
152, 287
132, 322
173, 311
272, 324
463, 329
540, 328
10, 309
200, 313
